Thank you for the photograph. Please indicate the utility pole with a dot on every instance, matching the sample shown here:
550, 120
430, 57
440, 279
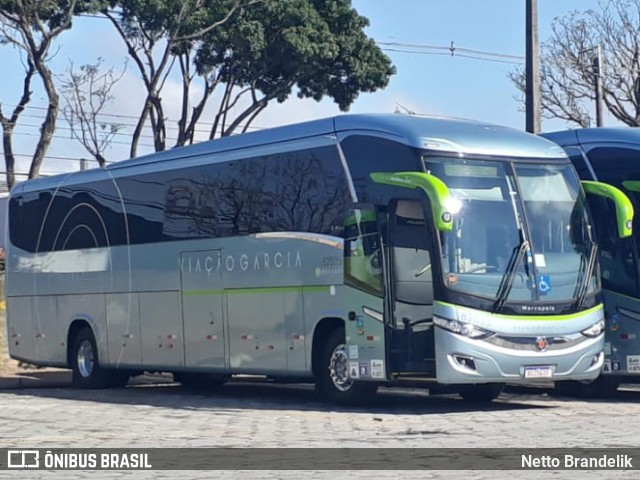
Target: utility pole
597, 72
532, 75
597, 68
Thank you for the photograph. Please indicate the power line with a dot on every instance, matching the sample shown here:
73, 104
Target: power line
54, 157
452, 49
120, 115
116, 142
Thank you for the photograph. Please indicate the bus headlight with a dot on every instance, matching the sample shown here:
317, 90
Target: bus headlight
464, 329
595, 329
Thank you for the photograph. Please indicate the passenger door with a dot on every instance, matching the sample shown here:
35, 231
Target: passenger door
411, 299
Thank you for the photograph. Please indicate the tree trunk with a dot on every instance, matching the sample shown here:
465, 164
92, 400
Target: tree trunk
9, 158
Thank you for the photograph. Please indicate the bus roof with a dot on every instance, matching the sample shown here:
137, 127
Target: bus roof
583, 136
464, 136
430, 133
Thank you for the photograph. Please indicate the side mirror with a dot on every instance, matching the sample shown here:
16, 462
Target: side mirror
624, 208
443, 204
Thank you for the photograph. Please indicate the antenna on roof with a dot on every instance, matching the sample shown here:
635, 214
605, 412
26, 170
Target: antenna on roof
400, 108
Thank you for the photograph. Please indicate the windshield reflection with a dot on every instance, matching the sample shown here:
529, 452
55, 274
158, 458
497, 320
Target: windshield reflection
522, 231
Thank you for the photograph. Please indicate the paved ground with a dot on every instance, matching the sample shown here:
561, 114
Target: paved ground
265, 415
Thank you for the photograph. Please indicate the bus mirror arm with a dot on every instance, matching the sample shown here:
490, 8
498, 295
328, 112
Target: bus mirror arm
624, 208
442, 206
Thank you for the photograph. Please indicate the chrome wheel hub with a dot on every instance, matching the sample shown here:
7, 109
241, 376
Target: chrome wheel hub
85, 359
339, 369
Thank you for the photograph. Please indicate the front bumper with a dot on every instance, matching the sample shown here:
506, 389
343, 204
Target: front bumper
461, 360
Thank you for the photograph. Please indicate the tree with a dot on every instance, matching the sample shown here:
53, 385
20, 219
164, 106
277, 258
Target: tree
31, 26
568, 80
265, 50
318, 46
156, 33
86, 92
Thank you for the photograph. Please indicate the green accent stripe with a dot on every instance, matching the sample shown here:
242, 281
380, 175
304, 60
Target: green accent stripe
552, 318
242, 291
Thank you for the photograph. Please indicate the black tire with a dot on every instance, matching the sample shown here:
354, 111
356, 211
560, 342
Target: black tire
200, 381
349, 392
480, 393
85, 362
602, 387
119, 378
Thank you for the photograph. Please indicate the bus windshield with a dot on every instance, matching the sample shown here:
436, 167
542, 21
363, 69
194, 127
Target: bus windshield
521, 233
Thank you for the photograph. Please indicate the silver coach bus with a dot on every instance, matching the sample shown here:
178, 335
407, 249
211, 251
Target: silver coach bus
353, 251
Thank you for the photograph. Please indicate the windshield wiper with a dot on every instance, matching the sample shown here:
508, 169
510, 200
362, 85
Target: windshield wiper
585, 279
509, 275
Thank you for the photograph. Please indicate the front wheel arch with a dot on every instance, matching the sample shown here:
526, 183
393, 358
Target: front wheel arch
352, 391
321, 333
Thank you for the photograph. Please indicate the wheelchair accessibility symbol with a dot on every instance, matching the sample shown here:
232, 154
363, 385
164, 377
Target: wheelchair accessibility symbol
544, 284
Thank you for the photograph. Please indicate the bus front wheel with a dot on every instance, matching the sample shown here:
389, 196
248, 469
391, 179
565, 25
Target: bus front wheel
85, 363
333, 381
480, 393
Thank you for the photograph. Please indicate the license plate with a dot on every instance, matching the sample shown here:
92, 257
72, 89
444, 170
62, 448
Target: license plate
538, 372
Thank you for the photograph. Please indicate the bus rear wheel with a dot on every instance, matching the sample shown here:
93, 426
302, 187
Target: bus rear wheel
480, 393
85, 364
333, 381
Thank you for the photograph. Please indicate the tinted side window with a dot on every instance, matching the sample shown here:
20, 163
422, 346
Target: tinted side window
618, 262
614, 164
26, 213
307, 190
303, 191
362, 252
85, 217
144, 202
367, 154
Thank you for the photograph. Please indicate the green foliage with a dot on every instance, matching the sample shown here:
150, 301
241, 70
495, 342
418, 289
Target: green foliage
317, 45
54, 13
169, 19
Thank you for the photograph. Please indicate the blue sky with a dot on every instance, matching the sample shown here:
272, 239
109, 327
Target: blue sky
425, 83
